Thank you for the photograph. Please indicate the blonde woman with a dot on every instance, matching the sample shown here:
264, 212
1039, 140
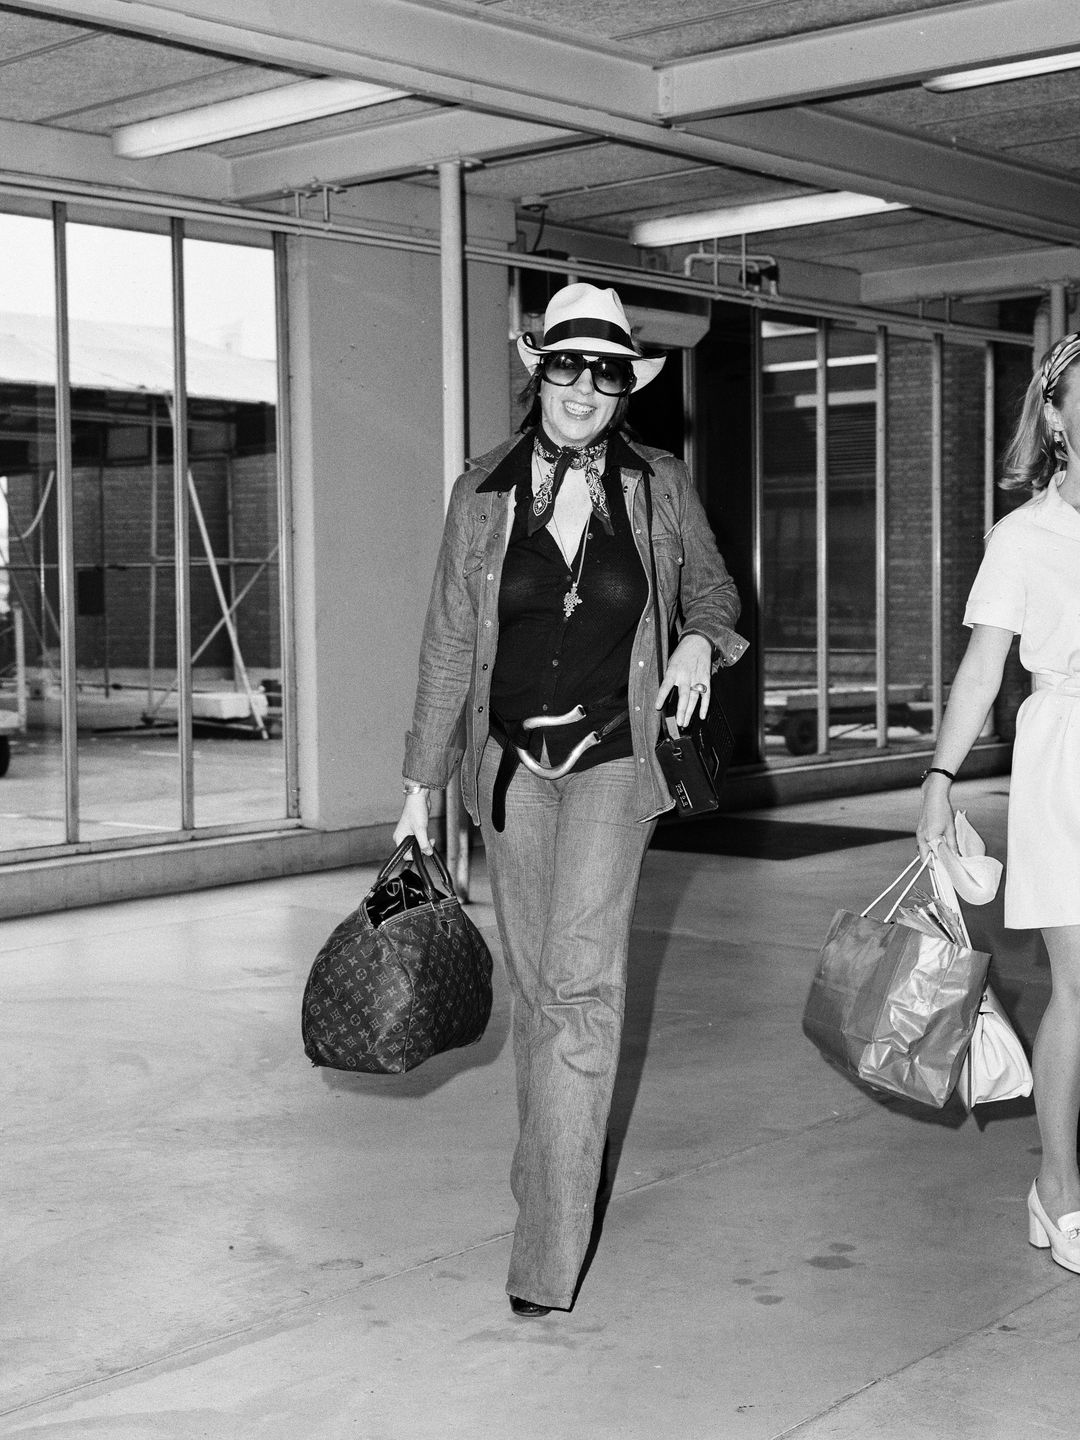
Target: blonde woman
1029, 585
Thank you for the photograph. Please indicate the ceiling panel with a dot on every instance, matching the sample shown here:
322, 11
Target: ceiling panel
894, 241
915, 106
86, 78
226, 84
669, 29
25, 34
94, 70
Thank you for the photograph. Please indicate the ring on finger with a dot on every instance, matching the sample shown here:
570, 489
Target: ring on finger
700, 688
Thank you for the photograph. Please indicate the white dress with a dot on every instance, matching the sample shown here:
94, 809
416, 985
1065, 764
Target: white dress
1029, 582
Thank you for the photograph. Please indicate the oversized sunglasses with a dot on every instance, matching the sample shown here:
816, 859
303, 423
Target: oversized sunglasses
610, 375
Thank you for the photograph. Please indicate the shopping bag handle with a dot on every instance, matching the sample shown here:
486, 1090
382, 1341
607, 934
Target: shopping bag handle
420, 863
921, 866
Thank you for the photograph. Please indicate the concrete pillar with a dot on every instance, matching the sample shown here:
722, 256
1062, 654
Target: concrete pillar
366, 387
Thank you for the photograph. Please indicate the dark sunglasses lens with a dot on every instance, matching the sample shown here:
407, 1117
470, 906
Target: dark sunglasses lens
562, 368
611, 377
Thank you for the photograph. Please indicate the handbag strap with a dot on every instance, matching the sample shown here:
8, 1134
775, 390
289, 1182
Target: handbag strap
410, 848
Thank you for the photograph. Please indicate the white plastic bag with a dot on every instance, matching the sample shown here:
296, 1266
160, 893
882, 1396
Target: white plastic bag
995, 1067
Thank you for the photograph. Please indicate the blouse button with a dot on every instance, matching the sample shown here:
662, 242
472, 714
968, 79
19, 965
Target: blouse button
490, 574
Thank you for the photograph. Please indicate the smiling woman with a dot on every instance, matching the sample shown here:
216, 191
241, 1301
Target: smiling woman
540, 636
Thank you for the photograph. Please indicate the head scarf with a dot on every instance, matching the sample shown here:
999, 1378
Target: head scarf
1058, 361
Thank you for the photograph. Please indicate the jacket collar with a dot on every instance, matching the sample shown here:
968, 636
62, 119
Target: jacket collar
507, 461
1051, 512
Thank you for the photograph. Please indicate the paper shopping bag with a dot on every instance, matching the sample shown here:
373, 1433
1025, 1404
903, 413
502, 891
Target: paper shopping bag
895, 1006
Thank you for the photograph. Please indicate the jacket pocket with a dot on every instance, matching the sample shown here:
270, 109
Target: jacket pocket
667, 547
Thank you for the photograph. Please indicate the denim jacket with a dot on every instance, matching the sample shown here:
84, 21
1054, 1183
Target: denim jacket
461, 632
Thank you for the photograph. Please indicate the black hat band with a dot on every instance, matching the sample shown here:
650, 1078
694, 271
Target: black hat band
589, 330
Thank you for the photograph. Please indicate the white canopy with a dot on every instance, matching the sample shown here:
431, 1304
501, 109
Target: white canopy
130, 358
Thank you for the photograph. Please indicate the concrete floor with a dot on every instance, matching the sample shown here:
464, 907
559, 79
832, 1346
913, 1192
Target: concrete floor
207, 1239
129, 784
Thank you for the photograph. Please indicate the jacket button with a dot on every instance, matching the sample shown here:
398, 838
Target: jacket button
484, 666
479, 709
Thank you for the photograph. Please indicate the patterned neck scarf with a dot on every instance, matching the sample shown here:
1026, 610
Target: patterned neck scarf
1057, 362
561, 459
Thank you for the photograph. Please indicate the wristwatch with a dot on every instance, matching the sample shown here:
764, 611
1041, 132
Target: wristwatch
936, 770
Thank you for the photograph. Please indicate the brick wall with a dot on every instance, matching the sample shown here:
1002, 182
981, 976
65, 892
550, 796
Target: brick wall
908, 510
114, 525
909, 502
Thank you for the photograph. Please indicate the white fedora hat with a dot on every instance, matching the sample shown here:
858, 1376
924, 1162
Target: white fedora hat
592, 321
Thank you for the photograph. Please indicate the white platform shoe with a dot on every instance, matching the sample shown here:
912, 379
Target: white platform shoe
1062, 1239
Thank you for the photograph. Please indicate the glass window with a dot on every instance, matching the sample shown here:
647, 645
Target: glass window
235, 619
909, 546
829, 418
789, 534
32, 789
121, 330
120, 326
851, 478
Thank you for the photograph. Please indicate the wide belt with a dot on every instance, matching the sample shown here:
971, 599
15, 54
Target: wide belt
515, 753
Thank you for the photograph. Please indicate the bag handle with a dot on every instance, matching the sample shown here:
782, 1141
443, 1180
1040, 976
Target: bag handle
420, 862
922, 865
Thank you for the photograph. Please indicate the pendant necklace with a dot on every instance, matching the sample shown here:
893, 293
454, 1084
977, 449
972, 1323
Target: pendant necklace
572, 599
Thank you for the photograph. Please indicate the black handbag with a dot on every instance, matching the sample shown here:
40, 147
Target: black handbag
695, 757
403, 977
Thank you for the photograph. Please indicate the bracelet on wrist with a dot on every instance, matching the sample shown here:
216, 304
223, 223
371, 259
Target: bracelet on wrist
410, 787
936, 770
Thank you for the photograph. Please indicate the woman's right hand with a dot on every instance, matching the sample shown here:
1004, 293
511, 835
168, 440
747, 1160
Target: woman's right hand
414, 820
936, 823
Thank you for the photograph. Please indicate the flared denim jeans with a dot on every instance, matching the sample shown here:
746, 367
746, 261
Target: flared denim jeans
564, 878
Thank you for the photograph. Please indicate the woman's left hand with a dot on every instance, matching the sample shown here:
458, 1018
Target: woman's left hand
689, 671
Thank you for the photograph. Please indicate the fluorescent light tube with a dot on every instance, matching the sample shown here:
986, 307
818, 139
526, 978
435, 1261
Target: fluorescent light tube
753, 219
247, 115
996, 74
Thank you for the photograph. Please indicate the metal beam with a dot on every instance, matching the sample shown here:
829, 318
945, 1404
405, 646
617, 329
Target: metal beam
66, 154
517, 71
381, 152
992, 274
449, 54
872, 55
824, 146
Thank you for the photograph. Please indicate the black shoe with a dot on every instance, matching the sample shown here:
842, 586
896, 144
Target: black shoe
526, 1309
